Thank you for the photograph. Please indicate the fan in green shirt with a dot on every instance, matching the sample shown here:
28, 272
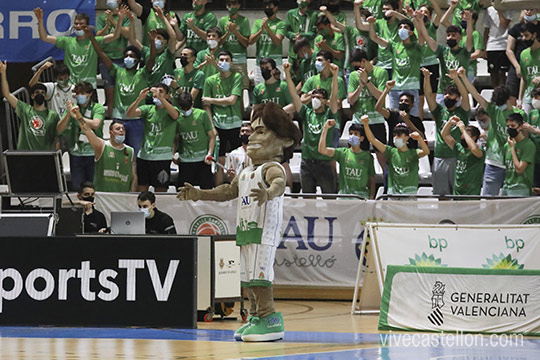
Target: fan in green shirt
519, 153
470, 158
237, 31
195, 23
106, 23
201, 63
530, 67
402, 161
37, 128
304, 67
329, 40
533, 128
188, 79
150, 18
80, 57
356, 169
300, 22
272, 89
268, 33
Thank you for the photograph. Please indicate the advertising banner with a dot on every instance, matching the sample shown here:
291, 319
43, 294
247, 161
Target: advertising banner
98, 281
19, 28
458, 299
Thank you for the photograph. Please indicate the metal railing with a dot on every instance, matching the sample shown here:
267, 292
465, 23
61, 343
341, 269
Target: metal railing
48, 74
12, 120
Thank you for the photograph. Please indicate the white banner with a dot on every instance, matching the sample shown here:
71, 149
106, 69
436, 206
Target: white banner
322, 238
465, 300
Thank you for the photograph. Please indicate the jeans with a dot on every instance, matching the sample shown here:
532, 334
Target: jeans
315, 173
81, 169
443, 175
493, 180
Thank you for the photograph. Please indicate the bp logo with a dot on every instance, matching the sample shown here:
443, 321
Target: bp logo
437, 303
208, 225
533, 219
425, 260
502, 262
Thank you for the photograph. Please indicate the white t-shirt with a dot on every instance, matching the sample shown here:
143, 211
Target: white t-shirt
237, 160
498, 36
56, 97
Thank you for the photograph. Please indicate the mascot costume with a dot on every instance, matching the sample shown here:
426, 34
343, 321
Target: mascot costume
259, 189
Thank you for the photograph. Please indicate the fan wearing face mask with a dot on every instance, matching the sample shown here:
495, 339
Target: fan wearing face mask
300, 22
316, 169
195, 24
456, 103
81, 153
330, 41
149, 17
268, 33
533, 128
304, 68
197, 142
530, 65
213, 36
37, 129
78, 47
238, 159
156, 222
356, 170
222, 100
188, 78
470, 157
498, 111
272, 89
519, 157
93, 219
402, 161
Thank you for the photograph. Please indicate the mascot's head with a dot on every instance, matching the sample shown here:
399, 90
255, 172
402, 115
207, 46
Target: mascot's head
274, 134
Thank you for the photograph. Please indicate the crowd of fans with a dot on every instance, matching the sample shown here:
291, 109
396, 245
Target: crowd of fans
193, 115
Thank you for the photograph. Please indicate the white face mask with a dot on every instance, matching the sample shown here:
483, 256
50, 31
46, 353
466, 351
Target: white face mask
399, 142
146, 212
316, 103
536, 103
212, 44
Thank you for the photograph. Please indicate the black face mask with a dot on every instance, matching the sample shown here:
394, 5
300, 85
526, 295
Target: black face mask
183, 61
266, 73
512, 132
463, 24
244, 138
450, 103
89, 199
451, 42
404, 107
356, 68
528, 43
39, 99
269, 12
426, 19
333, 8
464, 143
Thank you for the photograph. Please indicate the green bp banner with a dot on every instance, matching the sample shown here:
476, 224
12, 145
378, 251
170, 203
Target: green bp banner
461, 299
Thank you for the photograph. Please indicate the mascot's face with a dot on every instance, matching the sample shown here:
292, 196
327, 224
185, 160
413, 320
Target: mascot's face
264, 145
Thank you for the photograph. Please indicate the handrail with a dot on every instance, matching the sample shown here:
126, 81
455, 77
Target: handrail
444, 197
13, 122
47, 75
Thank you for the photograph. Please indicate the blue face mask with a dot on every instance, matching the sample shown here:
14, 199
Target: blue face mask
81, 99
159, 3
119, 139
306, 55
187, 112
157, 102
399, 142
224, 66
145, 211
354, 140
529, 18
112, 4
403, 34
79, 32
319, 66
158, 44
129, 62
503, 107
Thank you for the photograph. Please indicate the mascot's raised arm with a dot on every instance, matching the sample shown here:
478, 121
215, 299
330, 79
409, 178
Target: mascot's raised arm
259, 189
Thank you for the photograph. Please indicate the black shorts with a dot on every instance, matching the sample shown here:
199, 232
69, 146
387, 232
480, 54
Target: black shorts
228, 140
512, 82
433, 79
497, 61
154, 172
379, 131
195, 173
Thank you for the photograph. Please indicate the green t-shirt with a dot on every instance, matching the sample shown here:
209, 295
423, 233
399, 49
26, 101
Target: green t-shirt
313, 124
469, 171
335, 42
389, 32
193, 131
449, 59
78, 142
207, 69
402, 170
164, 64
232, 44
478, 44
406, 59
471, 5
114, 49
114, 169
497, 135
153, 23
355, 170
429, 57
519, 184
295, 23
225, 117
441, 115
365, 104
355, 39
306, 69
318, 82
265, 46
80, 57
374, 7
530, 68
277, 92
159, 133
37, 129
128, 85
203, 22
189, 81
534, 120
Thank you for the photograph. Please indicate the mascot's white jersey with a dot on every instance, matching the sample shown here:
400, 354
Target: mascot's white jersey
257, 224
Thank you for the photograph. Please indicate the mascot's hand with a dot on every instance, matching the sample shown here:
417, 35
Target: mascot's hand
188, 192
260, 195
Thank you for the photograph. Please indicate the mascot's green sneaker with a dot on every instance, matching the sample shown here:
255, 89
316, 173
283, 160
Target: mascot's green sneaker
238, 333
268, 328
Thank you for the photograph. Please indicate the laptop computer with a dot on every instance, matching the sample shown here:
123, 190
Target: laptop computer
128, 223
